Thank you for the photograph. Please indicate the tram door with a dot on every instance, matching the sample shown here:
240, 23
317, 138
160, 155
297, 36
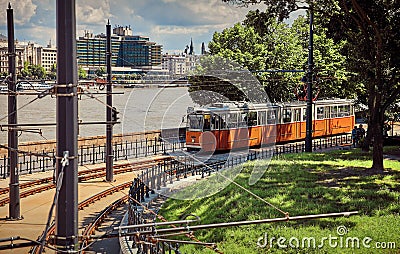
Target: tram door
297, 122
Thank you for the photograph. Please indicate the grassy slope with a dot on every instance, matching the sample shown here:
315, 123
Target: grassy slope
301, 184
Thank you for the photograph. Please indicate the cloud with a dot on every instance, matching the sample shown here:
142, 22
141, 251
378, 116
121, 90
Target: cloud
93, 12
23, 11
164, 21
191, 30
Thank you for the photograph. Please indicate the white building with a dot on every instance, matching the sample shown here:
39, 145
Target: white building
179, 65
47, 57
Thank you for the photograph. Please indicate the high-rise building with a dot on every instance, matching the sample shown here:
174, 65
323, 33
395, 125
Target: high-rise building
128, 50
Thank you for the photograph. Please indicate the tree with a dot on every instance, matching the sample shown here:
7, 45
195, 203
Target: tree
261, 44
33, 71
372, 29
82, 74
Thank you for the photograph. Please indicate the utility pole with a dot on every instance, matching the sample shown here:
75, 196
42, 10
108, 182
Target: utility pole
67, 128
310, 76
14, 208
109, 125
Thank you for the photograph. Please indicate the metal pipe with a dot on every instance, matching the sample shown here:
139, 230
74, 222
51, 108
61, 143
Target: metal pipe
109, 126
181, 241
67, 127
155, 224
14, 207
243, 223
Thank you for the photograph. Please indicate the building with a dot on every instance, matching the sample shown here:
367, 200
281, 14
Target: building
19, 59
128, 50
47, 57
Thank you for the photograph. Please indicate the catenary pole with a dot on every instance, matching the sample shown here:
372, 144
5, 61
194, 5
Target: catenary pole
109, 125
309, 111
14, 207
67, 127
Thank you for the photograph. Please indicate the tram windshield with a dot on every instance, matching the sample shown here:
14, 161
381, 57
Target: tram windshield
199, 122
195, 122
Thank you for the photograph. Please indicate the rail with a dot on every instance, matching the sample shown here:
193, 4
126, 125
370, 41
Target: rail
35, 249
84, 175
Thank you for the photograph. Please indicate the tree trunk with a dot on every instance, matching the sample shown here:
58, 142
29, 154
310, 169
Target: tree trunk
377, 125
377, 155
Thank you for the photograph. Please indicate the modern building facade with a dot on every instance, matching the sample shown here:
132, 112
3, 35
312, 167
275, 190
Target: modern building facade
128, 50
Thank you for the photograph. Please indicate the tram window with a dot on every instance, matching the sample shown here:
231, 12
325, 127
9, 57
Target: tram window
327, 113
252, 118
344, 110
243, 120
223, 121
261, 117
195, 122
215, 122
287, 115
333, 111
207, 124
320, 113
271, 117
304, 114
232, 120
297, 115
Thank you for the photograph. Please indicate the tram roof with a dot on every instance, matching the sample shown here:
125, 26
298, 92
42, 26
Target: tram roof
235, 105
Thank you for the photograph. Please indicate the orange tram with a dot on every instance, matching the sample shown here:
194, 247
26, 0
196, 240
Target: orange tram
231, 125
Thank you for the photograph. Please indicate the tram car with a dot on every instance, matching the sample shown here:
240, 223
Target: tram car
238, 125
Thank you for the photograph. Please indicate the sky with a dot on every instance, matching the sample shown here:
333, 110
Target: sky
171, 23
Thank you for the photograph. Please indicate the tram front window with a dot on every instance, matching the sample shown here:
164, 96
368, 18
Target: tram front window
195, 122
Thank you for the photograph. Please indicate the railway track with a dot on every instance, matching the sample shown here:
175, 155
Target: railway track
82, 205
44, 184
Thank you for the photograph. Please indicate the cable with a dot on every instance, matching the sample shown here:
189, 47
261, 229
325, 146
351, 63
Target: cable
64, 162
41, 95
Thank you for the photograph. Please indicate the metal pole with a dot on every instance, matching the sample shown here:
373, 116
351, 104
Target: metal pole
14, 208
109, 125
309, 111
67, 127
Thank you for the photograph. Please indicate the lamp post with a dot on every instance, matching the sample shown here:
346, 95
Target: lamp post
309, 111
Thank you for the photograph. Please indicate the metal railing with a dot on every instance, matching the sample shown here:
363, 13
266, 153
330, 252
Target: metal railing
29, 163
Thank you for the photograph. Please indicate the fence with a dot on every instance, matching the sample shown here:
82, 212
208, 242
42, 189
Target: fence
41, 162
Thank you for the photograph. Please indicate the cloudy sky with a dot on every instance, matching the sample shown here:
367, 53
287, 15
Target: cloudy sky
168, 22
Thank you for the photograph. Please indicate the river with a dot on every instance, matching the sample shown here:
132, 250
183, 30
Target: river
140, 109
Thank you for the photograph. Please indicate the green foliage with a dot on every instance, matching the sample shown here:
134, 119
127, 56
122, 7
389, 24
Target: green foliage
33, 71
82, 74
301, 184
371, 29
263, 43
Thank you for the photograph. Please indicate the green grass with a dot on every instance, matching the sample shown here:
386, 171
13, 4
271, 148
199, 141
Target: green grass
301, 184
